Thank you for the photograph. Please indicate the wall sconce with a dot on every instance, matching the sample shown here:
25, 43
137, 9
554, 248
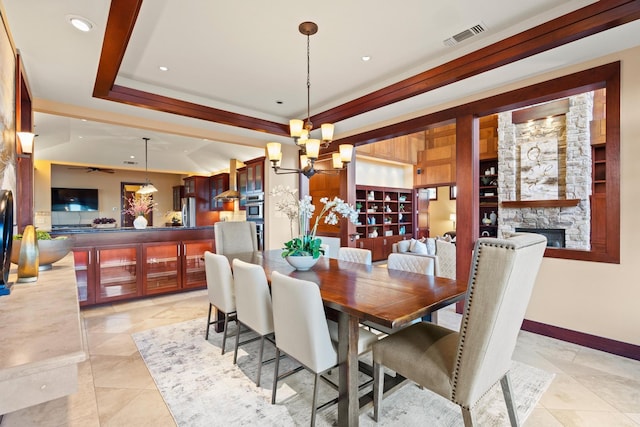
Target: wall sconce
26, 141
452, 218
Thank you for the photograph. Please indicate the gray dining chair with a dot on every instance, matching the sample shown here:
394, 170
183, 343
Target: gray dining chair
220, 290
232, 237
303, 332
463, 366
253, 306
361, 256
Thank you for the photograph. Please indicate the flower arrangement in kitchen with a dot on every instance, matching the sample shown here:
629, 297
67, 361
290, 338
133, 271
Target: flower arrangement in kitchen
139, 205
301, 210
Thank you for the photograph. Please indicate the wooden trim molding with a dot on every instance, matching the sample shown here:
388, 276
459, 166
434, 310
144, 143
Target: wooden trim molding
589, 20
564, 203
592, 341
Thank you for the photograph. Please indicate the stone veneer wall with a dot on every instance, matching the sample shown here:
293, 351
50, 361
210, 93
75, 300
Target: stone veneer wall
574, 172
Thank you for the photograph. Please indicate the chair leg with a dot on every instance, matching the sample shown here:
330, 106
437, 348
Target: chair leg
275, 377
378, 387
235, 351
314, 401
467, 416
206, 335
505, 383
260, 360
224, 334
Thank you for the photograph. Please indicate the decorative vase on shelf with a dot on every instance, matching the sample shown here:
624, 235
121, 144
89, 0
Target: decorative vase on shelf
140, 222
493, 217
485, 220
302, 263
374, 233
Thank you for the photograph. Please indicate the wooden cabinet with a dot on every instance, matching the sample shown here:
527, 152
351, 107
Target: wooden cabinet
178, 194
198, 187
218, 184
380, 247
250, 179
125, 271
193, 263
386, 216
117, 273
161, 269
488, 193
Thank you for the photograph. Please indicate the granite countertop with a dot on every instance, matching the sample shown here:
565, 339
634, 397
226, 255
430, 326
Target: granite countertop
86, 230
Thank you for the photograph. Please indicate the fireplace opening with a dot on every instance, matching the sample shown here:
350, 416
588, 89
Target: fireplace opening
555, 236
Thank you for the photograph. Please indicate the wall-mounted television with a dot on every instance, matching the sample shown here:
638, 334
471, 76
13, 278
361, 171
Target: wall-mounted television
74, 199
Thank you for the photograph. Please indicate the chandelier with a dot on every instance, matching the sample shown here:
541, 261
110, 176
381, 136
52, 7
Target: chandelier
148, 188
300, 132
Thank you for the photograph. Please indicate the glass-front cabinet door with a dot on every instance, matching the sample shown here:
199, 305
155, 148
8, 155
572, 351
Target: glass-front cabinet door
161, 269
117, 273
193, 262
83, 262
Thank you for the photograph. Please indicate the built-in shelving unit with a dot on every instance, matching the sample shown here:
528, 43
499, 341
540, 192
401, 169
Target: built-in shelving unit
488, 193
386, 216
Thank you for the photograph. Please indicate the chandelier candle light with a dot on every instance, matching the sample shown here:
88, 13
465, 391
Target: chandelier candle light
300, 132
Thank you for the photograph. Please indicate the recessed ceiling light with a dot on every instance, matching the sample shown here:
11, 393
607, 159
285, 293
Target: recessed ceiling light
366, 58
80, 23
132, 157
163, 68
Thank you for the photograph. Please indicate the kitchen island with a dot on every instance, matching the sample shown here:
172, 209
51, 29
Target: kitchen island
126, 263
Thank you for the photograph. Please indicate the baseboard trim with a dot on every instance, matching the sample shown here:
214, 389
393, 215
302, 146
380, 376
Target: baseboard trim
618, 348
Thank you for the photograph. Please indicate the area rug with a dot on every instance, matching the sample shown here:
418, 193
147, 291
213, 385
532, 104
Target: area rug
202, 387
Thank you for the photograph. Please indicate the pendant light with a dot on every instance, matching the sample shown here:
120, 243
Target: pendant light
148, 188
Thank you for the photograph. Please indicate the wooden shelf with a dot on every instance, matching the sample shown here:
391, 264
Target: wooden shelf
560, 203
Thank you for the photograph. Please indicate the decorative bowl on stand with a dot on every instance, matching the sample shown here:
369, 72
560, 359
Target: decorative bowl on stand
49, 251
302, 263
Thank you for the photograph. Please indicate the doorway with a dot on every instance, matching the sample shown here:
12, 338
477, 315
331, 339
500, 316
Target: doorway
129, 190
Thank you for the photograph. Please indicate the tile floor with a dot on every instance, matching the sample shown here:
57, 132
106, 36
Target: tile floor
591, 388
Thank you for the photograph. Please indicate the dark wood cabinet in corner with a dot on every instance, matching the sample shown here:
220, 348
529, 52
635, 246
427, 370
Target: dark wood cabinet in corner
386, 217
178, 194
250, 179
218, 184
198, 188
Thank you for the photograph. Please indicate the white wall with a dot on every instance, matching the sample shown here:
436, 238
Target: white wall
47, 175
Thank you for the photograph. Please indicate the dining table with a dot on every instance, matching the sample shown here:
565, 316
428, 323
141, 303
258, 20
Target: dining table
358, 293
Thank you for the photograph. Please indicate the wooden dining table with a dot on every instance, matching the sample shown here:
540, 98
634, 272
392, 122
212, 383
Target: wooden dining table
358, 292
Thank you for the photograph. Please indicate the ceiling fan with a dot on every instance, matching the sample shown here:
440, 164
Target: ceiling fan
90, 169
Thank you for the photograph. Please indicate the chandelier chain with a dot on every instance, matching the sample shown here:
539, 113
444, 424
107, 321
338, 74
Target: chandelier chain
308, 125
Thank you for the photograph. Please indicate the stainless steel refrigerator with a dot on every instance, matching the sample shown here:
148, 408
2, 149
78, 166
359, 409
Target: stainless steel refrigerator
189, 212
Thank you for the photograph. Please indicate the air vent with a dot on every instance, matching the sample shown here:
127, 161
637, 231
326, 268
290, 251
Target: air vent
128, 162
466, 34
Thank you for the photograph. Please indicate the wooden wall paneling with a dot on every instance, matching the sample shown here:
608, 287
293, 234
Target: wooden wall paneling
24, 164
467, 202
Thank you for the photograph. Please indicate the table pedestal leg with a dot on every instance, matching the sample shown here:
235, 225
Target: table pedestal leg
348, 405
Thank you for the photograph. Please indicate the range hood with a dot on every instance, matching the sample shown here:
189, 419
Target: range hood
232, 193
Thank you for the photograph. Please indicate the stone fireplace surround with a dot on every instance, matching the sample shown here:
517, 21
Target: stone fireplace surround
571, 130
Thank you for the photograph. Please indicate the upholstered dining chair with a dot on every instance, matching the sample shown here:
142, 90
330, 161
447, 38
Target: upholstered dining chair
253, 305
361, 256
414, 264
463, 366
302, 331
232, 237
220, 289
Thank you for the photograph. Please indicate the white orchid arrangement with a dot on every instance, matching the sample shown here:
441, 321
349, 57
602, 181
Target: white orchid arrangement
301, 210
